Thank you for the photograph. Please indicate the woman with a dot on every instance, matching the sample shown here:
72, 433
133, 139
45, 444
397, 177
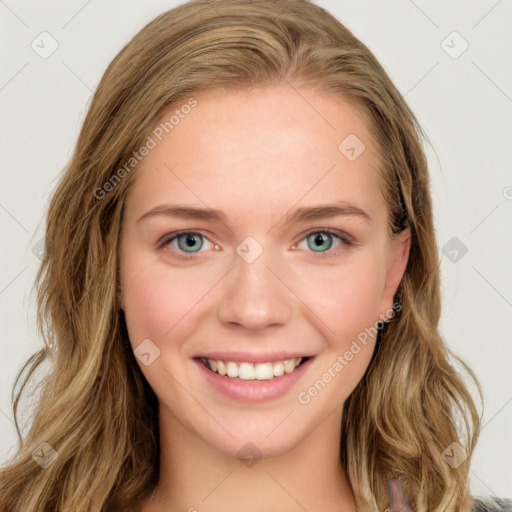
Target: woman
257, 370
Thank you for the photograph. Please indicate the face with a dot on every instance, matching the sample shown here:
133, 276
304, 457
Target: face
255, 236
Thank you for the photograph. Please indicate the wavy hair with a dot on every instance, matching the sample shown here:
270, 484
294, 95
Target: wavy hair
96, 410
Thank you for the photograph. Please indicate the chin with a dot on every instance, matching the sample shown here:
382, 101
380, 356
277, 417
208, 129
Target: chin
253, 446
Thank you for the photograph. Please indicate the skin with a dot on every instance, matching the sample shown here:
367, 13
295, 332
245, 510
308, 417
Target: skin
397, 496
255, 155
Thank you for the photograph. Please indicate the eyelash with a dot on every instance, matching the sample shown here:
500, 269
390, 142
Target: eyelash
167, 239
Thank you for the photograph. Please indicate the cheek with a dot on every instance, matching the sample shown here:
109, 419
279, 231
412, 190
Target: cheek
347, 309
357, 303
157, 303
166, 304
346, 299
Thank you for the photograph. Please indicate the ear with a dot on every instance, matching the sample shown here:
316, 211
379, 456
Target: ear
397, 258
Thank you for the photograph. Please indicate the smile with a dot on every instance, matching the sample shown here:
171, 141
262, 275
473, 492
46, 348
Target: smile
250, 371
253, 381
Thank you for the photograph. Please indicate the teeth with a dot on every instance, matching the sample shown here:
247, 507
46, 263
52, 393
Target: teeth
232, 369
221, 368
246, 371
278, 369
263, 371
258, 371
289, 366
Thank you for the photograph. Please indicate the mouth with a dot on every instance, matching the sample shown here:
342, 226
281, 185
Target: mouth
247, 371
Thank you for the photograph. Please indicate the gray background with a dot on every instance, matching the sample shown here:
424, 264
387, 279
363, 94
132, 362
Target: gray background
462, 97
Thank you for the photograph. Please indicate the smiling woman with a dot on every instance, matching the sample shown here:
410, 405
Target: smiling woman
246, 318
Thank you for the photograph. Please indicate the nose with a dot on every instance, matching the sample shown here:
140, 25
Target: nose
255, 295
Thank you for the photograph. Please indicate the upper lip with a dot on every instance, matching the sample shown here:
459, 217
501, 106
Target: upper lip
241, 357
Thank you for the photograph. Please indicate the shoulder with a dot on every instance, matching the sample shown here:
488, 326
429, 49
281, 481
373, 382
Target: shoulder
491, 505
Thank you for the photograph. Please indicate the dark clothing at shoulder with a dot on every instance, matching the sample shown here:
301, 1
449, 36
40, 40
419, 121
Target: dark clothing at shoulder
491, 505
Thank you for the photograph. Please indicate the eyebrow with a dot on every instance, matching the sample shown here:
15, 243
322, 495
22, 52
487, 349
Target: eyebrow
302, 214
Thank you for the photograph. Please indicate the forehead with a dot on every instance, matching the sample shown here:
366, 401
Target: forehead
258, 150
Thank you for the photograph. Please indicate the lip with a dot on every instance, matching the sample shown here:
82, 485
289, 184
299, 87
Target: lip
253, 391
244, 357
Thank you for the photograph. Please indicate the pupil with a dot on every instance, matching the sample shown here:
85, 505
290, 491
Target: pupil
321, 239
188, 241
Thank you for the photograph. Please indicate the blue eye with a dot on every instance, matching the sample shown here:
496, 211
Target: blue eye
190, 242
187, 243
321, 241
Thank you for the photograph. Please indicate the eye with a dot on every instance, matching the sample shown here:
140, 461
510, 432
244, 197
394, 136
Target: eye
184, 242
321, 241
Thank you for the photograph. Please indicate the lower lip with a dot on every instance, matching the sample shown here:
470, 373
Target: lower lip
254, 391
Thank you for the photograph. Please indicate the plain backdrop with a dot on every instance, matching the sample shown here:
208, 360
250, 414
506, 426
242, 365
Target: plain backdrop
451, 61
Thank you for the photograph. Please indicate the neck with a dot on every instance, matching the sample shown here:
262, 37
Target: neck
196, 476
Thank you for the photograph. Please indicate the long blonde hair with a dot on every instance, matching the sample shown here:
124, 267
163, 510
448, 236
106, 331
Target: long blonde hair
96, 409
